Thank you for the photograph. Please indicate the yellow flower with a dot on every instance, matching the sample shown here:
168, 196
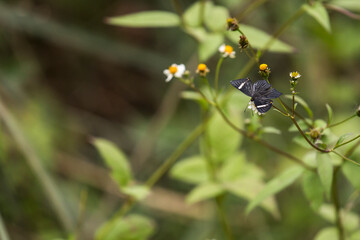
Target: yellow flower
227, 51
295, 75
263, 67
174, 71
202, 69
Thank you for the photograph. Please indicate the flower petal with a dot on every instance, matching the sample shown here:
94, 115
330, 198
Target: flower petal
222, 48
169, 77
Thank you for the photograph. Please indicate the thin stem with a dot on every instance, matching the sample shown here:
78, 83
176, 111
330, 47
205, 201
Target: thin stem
3, 232
223, 220
341, 122
345, 158
336, 203
262, 142
352, 149
283, 113
251, 49
282, 104
306, 138
349, 141
35, 163
296, 113
217, 72
253, 5
293, 105
201, 93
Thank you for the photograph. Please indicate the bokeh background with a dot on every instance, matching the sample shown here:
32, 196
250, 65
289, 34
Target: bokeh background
67, 76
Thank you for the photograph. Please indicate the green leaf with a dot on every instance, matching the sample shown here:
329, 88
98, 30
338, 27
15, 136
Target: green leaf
353, 5
275, 185
303, 103
132, 227
258, 39
204, 191
313, 189
139, 192
352, 173
249, 187
329, 233
319, 13
215, 18
223, 139
193, 16
191, 95
210, 46
342, 138
355, 236
233, 168
300, 140
330, 113
350, 220
310, 159
271, 130
116, 160
191, 170
325, 171
146, 19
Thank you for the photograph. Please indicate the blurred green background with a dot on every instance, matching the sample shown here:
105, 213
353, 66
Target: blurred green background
66, 76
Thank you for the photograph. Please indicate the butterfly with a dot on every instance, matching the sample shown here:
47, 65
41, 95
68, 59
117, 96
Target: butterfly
260, 92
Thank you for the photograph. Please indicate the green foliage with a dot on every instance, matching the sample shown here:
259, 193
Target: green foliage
313, 189
352, 173
353, 5
259, 39
330, 113
303, 103
325, 171
115, 160
350, 220
132, 227
319, 13
191, 170
275, 185
146, 19
329, 233
204, 191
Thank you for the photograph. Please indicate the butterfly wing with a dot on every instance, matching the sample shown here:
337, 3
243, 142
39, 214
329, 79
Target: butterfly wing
262, 89
263, 104
244, 85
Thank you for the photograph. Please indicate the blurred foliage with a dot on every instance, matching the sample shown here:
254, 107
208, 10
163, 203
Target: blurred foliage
67, 76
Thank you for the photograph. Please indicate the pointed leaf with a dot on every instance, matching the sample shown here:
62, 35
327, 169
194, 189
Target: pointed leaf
146, 19
352, 173
258, 39
319, 13
132, 227
233, 168
271, 130
275, 185
330, 113
353, 5
325, 171
342, 138
203, 192
193, 16
192, 170
249, 187
116, 160
313, 189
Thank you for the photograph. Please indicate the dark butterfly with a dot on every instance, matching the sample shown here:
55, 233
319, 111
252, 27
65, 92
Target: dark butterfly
260, 92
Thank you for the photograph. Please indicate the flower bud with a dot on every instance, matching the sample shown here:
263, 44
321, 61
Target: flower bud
232, 24
243, 42
315, 133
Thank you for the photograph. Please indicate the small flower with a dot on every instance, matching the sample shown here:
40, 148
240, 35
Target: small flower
227, 51
174, 71
202, 70
232, 24
253, 108
243, 42
315, 133
264, 70
295, 75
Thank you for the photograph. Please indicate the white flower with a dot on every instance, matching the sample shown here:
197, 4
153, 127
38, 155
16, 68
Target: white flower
227, 51
253, 108
295, 75
174, 71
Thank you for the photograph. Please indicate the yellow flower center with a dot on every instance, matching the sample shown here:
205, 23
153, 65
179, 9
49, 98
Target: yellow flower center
229, 49
294, 74
173, 69
229, 20
202, 67
263, 67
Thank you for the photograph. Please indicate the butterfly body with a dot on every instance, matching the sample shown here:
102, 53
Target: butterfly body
260, 92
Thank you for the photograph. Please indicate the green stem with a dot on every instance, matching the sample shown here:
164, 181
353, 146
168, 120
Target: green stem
345, 158
306, 138
3, 232
217, 72
223, 220
253, 5
341, 122
353, 139
338, 219
35, 163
